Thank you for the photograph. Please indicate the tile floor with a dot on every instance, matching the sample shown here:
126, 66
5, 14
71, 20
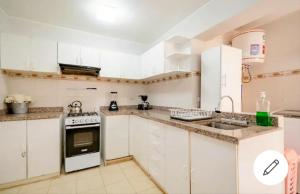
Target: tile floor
122, 178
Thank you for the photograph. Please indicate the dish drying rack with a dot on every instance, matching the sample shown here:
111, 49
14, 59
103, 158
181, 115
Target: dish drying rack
190, 114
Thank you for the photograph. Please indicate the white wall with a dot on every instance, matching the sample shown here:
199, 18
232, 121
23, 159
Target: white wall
283, 53
3, 91
176, 93
46, 31
51, 93
207, 16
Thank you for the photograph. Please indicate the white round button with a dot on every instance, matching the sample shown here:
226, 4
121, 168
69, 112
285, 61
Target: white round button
270, 167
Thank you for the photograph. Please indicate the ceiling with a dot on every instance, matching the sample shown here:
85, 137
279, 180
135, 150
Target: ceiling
141, 21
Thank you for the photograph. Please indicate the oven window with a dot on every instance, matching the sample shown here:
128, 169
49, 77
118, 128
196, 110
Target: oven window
83, 139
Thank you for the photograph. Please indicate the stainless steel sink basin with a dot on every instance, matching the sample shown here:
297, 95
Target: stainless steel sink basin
225, 126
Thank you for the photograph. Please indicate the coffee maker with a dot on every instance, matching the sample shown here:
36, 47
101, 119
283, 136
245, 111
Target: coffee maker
113, 103
144, 105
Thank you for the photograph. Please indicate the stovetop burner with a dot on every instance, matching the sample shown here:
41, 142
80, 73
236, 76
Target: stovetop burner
82, 114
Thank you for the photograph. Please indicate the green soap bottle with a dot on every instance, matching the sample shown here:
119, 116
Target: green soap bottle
263, 111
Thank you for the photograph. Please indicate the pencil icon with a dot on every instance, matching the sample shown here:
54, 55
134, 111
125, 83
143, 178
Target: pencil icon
271, 167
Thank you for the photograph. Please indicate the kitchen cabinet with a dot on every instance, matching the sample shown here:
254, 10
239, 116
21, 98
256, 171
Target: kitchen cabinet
139, 145
177, 168
13, 151
153, 60
163, 151
43, 55
157, 152
15, 52
43, 147
28, 54
211, 159
78, 55
90, 57
221, 75
116, 136
68, 53
29, 149
120, 65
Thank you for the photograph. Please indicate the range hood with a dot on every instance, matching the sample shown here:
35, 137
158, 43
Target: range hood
79, 70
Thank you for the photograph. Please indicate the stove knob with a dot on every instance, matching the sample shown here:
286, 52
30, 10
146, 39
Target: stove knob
86, 120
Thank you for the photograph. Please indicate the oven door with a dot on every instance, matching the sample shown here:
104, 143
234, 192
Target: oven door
82, 139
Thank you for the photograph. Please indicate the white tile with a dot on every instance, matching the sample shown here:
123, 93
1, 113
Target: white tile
14, 190
153, 190
63, 188
112, 174
36, 188
88, 184
133, 170
122, 187
141, 183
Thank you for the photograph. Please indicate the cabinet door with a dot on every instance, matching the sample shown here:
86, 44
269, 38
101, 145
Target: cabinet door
231, 73
210, 78
213, 165
140, 142
116, 137
15, 52
13, 151
44, 144
130, 68
43, 55
110, 64
90, 57
68, 53
157, 152
177, 169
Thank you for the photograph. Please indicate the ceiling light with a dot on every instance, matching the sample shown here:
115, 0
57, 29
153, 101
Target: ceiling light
107, 13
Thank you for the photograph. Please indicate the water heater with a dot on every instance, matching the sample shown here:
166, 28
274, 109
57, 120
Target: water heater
252, 44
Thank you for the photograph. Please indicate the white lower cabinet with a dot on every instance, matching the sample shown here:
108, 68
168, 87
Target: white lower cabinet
140, 141
177, 168
213, 165
43, 147
116, 136
29, 149
13, 151
163, 151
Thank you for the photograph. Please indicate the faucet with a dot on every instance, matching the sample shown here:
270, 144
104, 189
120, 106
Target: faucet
219, 105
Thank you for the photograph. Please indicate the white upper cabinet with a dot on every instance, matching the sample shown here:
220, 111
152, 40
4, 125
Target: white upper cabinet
90, 57
15, 52
68, 53
110, 64
28, 54
43, 55
153, 60
221, 75
120, 65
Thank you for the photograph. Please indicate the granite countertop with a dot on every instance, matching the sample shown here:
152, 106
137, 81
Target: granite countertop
163, 116
34, 114
289, 113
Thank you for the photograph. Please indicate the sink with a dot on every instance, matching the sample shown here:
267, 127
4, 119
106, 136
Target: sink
225, 126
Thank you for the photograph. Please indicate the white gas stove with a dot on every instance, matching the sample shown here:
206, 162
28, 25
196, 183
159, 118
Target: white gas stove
82, 141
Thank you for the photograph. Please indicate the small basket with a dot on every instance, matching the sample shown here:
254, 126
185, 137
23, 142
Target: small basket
17, 108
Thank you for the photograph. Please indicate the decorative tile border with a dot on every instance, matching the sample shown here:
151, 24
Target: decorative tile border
55, 76
275, 74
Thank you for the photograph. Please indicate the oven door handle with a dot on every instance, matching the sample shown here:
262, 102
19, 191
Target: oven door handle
82, 126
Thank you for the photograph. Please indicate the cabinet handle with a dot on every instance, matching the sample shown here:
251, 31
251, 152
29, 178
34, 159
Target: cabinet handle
23, 154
